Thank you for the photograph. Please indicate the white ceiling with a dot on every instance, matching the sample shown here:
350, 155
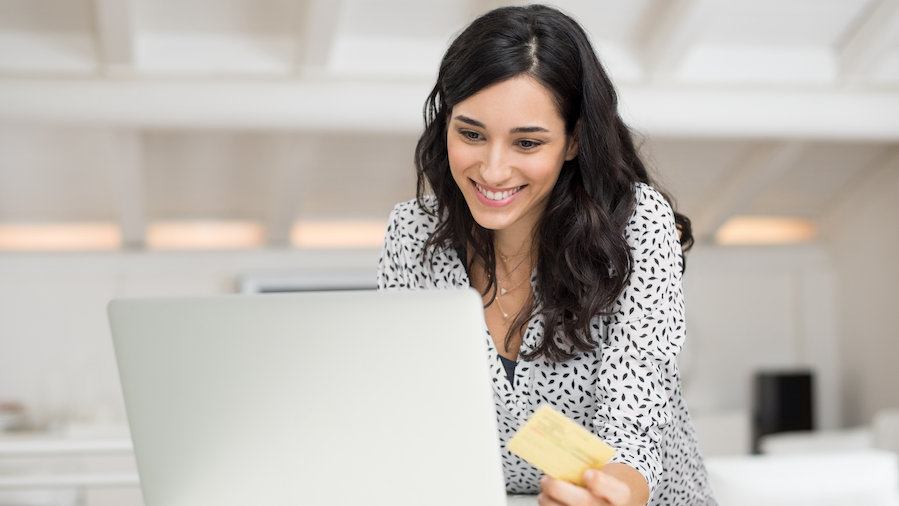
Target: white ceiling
138, 110
782, 42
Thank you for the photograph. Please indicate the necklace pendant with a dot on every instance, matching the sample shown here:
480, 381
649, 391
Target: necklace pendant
505, 315
502, 291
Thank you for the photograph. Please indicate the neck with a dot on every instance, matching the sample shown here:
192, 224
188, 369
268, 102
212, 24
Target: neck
512, 243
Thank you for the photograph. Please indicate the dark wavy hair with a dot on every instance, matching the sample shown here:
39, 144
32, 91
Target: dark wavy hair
582, 257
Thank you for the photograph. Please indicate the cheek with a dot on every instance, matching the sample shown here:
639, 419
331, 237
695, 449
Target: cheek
460, 157
545, 171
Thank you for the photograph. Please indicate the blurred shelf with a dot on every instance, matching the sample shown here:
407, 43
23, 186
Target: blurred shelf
28, 447
69, 481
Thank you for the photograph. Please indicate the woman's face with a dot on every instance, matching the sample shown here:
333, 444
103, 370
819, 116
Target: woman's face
506, 146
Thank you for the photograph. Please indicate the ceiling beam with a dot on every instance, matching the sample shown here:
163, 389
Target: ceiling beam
762, 166
798, 113
295, 159
343, 105
320, 22
128, 176
115, 32
669, 34
872, 41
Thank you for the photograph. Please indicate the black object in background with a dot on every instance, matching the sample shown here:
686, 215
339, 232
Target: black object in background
782, 402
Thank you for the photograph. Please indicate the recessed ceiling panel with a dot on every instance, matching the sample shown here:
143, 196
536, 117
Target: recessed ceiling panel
395, 37
217, 37
691, 169
608, 20
404, 18
56, 174
209, 175
818, 179
359, 176
242, 16
47, 15
214, 54
766, 22
387, 56
47, 53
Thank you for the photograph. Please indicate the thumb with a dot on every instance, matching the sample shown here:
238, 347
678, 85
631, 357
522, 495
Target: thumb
606, 486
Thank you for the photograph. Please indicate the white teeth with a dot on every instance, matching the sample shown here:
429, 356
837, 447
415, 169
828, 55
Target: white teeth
497, 195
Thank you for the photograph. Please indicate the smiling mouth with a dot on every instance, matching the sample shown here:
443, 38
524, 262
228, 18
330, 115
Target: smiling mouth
497, 195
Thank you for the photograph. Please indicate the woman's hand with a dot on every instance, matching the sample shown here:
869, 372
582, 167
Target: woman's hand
600, 489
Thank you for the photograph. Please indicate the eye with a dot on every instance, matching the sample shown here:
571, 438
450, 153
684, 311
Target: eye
470, 135
526, 144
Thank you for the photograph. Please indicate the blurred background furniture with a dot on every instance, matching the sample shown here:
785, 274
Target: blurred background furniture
781, 402
826, 467
64, 470
862, 478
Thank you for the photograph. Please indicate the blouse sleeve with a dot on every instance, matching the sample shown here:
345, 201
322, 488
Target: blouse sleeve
641, 340
391, 265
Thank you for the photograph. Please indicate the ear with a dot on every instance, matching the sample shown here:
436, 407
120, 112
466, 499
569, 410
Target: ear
572, 151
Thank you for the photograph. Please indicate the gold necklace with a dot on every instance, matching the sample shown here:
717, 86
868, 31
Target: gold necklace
499, 282
508, 272
503, 291
506, 258
500, 306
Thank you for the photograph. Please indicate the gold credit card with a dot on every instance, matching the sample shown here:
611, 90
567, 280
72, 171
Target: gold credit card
559, 447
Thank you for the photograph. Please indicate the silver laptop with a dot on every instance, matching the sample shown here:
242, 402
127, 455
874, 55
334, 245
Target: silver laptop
327, 398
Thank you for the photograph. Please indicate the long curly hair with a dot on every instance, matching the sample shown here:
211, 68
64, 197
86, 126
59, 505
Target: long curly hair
583, 260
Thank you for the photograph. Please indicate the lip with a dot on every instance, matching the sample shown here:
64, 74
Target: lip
495, 203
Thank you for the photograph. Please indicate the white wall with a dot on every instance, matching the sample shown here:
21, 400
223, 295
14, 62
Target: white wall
864, 241
56, 352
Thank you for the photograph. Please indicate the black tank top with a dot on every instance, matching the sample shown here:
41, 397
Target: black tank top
510, 368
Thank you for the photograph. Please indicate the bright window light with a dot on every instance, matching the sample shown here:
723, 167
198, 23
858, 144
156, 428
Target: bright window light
205, 235
338, 233
765, 230
80, 236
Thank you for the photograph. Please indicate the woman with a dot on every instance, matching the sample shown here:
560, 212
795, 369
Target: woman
541, 203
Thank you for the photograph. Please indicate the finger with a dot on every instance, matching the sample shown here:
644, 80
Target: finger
545, 500
607, 487
567, 493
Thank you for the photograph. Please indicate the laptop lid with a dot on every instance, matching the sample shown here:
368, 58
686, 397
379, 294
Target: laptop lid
339, 398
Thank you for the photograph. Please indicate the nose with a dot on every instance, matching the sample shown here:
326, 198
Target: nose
496, 169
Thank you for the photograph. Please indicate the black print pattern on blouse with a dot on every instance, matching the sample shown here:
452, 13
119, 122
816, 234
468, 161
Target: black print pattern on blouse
627, 391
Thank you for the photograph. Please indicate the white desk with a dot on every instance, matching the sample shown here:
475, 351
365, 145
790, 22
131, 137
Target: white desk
522, 500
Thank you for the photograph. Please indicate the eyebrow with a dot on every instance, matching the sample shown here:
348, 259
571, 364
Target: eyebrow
516, 130
472, 122
528, 129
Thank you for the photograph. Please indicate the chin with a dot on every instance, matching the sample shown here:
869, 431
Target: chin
492, 222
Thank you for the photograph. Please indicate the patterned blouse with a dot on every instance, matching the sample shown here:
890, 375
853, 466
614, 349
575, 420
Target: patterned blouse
627, 391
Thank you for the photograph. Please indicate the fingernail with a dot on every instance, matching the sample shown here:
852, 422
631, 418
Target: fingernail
589, 474
543, 481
